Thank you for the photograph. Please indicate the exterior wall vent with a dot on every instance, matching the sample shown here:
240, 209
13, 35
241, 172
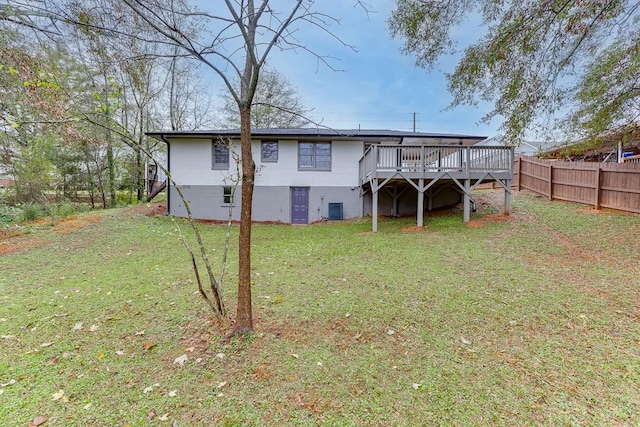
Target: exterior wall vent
335, 211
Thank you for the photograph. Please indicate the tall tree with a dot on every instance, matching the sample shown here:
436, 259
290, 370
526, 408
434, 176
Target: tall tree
239, 37
240, 42
276, 104
572, 60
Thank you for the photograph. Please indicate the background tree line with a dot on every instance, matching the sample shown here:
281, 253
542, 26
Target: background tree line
76, 101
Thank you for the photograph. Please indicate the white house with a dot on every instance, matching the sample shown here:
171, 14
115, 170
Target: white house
306, 175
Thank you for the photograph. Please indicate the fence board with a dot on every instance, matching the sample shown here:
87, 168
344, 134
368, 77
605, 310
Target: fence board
609, 185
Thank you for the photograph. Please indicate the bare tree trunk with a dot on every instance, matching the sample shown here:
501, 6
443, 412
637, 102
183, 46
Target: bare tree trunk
108, 141
244, 318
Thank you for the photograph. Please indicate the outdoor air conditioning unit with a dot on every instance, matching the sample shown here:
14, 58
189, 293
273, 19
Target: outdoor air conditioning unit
335, 211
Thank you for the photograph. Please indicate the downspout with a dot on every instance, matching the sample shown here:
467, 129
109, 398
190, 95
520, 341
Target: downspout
166, 141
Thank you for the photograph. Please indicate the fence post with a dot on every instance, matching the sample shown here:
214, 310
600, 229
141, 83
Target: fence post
598, 187
550, 195
519, 172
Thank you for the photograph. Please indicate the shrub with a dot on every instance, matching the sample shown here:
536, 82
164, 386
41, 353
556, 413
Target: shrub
8, 214
66, 209
33, 211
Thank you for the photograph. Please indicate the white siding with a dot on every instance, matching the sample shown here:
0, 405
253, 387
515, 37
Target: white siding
191, 165
191, 162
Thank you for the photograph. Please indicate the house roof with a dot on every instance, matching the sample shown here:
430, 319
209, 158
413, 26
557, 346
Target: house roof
529, 148
319, 133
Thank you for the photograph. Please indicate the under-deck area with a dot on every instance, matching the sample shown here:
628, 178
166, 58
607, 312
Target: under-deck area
429, 169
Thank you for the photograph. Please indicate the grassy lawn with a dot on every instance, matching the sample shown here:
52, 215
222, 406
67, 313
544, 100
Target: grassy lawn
530, 320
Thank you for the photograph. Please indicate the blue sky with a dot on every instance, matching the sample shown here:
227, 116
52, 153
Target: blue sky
379, 87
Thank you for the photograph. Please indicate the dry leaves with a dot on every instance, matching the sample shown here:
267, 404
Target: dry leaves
38, 421
58, 395
11, 382
180, 360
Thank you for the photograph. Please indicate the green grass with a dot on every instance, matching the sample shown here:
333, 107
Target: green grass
530, 321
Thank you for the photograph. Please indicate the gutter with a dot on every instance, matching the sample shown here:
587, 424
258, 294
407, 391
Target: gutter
166, 141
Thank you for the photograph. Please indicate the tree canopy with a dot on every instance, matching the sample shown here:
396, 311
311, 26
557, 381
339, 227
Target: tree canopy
569, 65
276, 104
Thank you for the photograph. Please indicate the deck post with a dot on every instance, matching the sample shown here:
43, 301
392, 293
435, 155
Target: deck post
374, 207
507, 197
467, 200
420, 202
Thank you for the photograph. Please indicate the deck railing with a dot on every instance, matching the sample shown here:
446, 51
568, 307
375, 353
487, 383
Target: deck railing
427, 159
631, 159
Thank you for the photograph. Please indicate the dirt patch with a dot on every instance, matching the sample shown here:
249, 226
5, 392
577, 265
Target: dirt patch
149, 209
18, 244
487, 219
17, 239
413, 229
74, 223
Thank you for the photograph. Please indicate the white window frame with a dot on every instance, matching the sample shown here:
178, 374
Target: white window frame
314, 155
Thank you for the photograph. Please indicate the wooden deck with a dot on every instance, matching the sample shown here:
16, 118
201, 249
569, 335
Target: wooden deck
424, 166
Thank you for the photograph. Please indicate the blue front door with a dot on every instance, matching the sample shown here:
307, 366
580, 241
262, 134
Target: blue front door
299, 205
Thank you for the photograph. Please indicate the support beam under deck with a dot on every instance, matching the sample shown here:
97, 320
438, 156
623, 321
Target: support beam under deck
507, 197
374, 207
467, 200
420, 213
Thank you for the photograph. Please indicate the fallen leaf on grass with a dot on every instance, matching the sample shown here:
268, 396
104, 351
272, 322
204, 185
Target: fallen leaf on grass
220, 355
416, 386
465, 341
295, 356
164, 417
46, 344
87, 406
120, 353
77, 326
139, 333
148, 346
93, 328
1, 391
190, 349
148, 389
173, 393
152, 414
221, 384
11, 382
38, 421
180, 360
52, 361
57, 395
8, 337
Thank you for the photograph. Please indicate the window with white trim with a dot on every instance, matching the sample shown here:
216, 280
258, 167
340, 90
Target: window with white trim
227, 195
219, 155
269, 150
314, 156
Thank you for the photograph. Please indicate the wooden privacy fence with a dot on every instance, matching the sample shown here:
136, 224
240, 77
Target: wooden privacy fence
606, 185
